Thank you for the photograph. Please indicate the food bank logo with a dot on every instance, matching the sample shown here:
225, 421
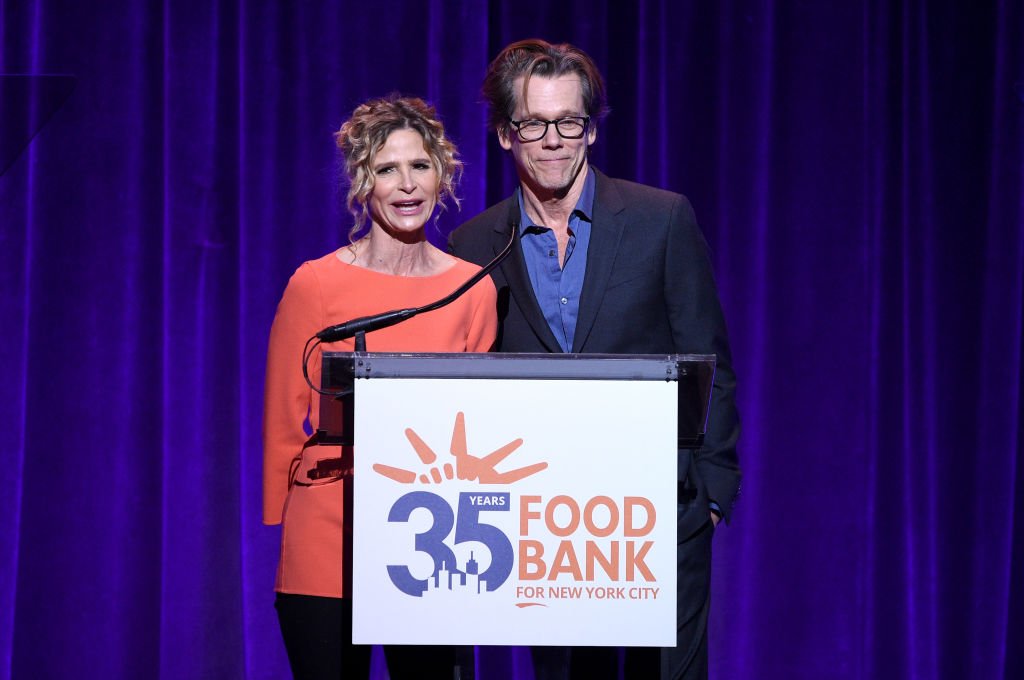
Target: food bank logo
600, 541
467, 467
467, 521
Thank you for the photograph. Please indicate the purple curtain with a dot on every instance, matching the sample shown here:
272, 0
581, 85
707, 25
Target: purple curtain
857, 168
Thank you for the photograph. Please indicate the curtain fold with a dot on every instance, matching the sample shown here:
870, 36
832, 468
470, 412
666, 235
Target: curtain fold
858, 169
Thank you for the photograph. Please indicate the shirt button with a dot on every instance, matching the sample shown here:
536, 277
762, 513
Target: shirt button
564, 301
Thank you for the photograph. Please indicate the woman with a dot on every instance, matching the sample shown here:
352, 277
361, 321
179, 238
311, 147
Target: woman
401, 166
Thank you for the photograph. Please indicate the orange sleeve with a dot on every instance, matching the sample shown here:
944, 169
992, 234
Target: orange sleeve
287, 398
483, 327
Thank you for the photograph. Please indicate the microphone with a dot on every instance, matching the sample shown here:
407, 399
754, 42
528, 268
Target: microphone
374, 322
365, 324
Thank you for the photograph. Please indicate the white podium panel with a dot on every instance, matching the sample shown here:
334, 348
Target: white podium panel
505, 512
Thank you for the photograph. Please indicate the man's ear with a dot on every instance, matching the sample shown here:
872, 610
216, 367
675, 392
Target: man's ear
505, 138
591, 134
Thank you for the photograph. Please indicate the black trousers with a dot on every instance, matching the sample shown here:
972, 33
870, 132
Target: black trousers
317, 634
688, 660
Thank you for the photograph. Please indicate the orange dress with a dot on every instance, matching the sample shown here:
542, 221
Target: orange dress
321, 293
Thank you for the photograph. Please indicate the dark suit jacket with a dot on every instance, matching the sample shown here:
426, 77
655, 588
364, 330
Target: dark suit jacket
648, 289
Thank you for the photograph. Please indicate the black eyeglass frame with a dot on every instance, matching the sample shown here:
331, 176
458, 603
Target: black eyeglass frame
517, 124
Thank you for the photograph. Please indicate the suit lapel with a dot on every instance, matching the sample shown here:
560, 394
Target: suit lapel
605, 234
518, 278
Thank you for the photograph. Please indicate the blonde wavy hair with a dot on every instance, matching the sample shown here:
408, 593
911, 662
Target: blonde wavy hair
363, 135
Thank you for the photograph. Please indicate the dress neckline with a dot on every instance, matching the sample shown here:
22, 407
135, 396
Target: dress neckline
447, 271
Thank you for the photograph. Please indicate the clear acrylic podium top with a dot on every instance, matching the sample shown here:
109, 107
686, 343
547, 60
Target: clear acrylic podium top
694, 374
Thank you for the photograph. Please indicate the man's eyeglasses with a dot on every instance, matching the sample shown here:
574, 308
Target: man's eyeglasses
570, 127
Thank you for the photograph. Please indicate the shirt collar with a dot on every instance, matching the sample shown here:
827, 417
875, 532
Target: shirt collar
584, 206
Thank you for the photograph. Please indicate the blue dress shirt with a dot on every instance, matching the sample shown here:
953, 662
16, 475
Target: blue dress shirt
557, 287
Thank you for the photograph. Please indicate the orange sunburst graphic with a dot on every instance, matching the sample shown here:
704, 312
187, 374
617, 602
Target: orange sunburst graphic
467, 467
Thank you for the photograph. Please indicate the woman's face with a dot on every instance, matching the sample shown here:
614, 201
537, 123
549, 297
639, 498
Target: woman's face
405, 184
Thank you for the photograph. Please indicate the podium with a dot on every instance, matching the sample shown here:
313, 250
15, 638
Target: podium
515, 499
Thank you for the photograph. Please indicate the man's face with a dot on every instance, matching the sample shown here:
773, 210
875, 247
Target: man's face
551, 164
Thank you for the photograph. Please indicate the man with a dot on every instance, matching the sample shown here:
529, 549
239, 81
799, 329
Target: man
606, 266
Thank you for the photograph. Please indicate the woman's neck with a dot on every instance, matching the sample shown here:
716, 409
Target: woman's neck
380, 252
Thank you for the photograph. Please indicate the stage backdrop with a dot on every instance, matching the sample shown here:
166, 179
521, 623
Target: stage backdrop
856, 166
